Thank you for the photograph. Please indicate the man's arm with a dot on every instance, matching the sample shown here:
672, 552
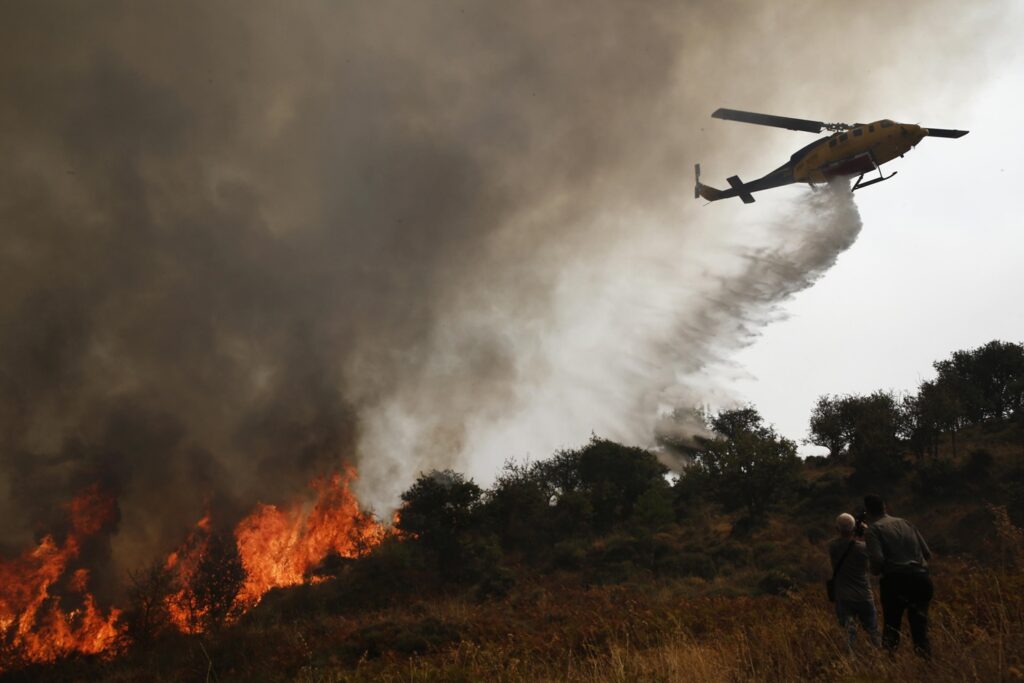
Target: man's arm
874, 545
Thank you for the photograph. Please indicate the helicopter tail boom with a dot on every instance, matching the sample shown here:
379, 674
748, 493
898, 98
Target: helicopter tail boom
737, 188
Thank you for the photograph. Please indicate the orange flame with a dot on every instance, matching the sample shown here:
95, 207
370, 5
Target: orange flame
33, 623
277, 547
185, 614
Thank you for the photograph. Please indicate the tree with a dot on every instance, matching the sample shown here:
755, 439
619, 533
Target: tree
439, 508
875, 423
733, 423
828, 429
939, 409
148, 614
604, 478
921, 431
518, 508
972, 387
986, 380
615, 477
213, 588
654, 509
749, 465
999, 371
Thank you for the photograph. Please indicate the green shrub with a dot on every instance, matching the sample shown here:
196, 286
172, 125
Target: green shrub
775, 582
518, 509
746, 525
393, 572
437, 510
825, 495
482, 567
978, 464
815, 534
568, 555
572, 516
687, 564
615, 549
404, 638
653, 509
731, 553
938, 477
768, 554
690, 492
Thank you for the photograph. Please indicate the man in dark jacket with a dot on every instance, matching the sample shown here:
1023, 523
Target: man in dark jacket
854, 601
898, 552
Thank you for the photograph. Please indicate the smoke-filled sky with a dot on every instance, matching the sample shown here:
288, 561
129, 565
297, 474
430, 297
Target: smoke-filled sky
243, 242
937, 265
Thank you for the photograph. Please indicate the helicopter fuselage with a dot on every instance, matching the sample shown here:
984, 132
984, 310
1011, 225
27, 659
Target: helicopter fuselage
852, 152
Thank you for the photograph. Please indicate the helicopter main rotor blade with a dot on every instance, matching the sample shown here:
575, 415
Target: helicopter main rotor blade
946, 133
770, 120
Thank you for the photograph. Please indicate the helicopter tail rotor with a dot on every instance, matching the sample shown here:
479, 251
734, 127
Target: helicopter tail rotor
701, 190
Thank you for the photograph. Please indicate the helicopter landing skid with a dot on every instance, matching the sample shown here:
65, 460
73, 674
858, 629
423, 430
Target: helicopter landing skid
860, 184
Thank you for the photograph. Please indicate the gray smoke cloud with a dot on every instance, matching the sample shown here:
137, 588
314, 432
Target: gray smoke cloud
244, 242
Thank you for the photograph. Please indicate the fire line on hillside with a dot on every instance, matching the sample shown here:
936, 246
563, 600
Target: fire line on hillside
47, 610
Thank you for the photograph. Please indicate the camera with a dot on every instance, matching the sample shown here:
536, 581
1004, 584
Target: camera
862, 525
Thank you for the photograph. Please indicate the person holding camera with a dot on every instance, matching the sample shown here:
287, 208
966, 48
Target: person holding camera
851, 586
899, 554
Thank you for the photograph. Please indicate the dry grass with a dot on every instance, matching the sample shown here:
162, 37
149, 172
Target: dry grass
559, 630
977, 633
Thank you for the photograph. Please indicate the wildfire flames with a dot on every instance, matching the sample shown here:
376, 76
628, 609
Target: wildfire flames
47, 612
34, 589
278, 548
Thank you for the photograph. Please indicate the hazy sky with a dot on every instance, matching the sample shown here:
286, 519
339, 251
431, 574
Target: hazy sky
938, 267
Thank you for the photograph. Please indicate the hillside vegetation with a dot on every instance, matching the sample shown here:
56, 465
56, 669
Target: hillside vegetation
597, 564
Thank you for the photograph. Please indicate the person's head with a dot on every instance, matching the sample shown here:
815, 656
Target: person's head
874, 505
845, 524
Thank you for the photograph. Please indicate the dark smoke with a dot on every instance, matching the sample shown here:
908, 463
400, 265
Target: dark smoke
244, 242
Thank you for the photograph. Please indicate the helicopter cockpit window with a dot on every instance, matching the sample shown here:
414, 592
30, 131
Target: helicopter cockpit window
886, 124
858, 131
844, 137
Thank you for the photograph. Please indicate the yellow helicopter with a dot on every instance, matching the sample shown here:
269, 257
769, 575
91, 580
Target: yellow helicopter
851, 150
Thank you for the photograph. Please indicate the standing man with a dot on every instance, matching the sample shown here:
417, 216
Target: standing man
854, 601
898, 552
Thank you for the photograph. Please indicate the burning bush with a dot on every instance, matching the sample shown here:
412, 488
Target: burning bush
216, 574
46, 610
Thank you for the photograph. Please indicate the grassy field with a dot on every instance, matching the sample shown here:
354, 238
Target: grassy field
561, 631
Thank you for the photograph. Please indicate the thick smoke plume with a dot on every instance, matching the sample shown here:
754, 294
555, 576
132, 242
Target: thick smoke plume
243, 242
